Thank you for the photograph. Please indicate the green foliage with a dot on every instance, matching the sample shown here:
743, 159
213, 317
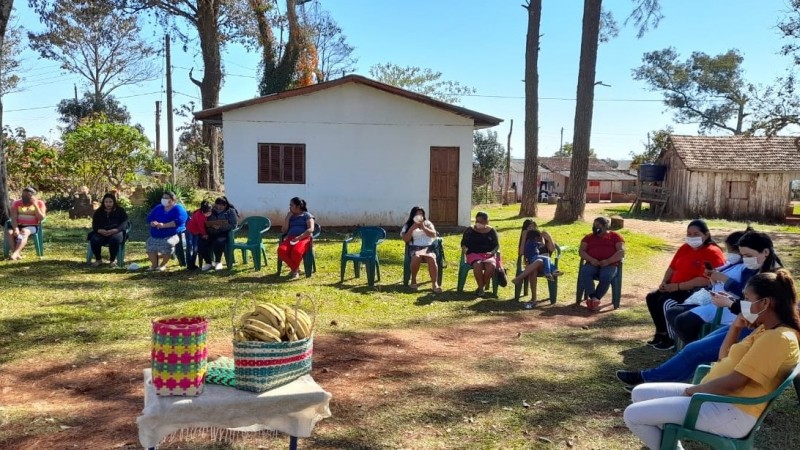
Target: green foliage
657, 144
103, 155
60, 202
154, 193
192, 156
566, 151
420, 80
72, 110
31, 161
487, 152
10, 60
708, 90
125, 203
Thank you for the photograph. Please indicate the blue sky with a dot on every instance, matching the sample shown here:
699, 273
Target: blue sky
478, 43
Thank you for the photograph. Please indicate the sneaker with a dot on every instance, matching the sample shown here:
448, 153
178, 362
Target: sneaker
628, 389
665, 344
480, 292
593, 304
631, 378
161, 268
97, 263
656, 339
206, 267
218, 266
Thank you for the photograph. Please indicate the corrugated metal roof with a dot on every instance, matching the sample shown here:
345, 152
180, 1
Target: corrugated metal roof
604, 175
738, 153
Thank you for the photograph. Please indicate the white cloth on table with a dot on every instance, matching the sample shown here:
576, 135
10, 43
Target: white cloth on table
292, 409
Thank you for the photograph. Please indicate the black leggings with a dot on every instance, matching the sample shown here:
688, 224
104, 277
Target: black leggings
113, 242
217, 243
655, 304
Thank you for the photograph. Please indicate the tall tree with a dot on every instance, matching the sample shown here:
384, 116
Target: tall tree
10, 60
656, 143
96, 41
709, 90
5, 15
334, 55
487, 153
570, 207
73, 110
530, 178
420, 80
566, 151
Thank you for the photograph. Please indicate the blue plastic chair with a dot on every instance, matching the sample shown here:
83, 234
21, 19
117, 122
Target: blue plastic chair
367, 255
552, 285
616, 286
675, 432
120, 254
256, 227
37, 238
309, 257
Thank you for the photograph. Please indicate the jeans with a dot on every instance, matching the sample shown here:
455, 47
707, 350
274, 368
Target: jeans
97, 241
682, 365
547, 265
192, 241
656, 404
604, 275
216, 243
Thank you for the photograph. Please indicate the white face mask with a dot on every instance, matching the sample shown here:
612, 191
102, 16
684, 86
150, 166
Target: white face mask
750, 316
751, 262
733, 258
419, 218
164, 202
694, 242
480, 226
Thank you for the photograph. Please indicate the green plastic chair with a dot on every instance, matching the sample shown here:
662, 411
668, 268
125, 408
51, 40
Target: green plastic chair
256, 227
463, 272
309, 258
120, 254
552, 286
367, 255
438, 250
38, 239
616, 286
673, 432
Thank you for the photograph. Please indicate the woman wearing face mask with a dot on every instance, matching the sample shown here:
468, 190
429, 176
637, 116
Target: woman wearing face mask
166, 221
419, 233
685, 274
751, 368
602, 250
686, 320
223, 218
109, 223
479, 247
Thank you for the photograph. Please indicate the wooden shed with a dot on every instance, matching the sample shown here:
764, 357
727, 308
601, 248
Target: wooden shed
730, 177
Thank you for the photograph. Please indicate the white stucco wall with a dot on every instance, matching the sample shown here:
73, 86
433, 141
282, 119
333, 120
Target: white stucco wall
367, 155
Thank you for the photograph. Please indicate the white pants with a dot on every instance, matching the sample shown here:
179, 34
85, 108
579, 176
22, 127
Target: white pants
655, 404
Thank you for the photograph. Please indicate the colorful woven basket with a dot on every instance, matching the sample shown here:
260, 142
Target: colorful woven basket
179, 355
261, 366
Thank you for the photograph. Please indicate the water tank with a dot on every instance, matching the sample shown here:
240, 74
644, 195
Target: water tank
652, 172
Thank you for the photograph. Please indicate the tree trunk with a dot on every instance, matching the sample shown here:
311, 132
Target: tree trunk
5, 14
570, 207
530, 178
208, 30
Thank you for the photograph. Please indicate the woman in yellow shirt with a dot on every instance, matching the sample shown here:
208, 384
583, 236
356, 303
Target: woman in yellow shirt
751, 368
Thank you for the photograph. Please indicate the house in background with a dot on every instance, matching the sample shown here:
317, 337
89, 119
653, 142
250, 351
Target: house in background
604, 183
730, 177
358, 151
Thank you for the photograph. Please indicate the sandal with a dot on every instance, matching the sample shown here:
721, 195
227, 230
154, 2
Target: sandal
437, 290
414, 286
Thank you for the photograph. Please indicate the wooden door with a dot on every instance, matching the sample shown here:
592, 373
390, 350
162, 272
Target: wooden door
443, 203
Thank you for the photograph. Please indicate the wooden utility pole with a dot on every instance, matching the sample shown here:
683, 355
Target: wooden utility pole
158, 128
170, 128
75, 86
508, 166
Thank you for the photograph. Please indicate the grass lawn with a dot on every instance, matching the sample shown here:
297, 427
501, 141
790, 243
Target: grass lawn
406, 369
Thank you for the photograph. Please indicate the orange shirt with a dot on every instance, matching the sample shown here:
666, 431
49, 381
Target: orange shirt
26, 215
689, 263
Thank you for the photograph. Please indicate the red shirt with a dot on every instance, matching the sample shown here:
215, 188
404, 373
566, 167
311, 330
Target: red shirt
603, 246
26, 214
689, 263
197, 223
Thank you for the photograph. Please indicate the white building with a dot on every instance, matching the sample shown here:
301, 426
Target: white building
358, 151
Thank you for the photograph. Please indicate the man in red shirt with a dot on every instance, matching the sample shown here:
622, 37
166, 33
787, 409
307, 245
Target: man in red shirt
26, 218
602, 250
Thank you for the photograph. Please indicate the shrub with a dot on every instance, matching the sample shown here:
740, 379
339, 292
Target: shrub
125, 203
60, 202
154, 194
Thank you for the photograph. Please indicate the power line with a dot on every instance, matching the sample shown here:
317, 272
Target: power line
53, 106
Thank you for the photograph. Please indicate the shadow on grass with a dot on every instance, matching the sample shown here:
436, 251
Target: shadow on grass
22, 332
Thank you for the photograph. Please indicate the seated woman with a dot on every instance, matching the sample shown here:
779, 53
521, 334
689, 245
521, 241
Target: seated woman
27, 215
602, 250
750, 368
166, 221
419, 233
223, 219
685, 274
703, 351
479, 246
298, 226
109, 223
536, 247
